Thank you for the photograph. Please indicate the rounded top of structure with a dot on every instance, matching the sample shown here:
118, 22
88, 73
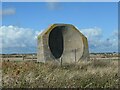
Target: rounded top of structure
59, 24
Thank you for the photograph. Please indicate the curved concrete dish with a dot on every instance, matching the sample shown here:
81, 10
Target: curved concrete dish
62, 42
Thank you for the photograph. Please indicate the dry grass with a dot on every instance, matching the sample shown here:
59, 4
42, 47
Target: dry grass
90, 74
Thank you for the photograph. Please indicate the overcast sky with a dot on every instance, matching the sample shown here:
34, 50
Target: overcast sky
22, 22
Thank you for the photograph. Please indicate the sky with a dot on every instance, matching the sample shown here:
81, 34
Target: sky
23, 21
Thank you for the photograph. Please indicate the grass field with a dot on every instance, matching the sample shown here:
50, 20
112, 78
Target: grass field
85, 74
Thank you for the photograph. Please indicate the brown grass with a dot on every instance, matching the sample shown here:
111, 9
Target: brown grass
85, 74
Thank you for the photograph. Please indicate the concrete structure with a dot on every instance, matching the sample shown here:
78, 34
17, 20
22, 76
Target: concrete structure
62, 42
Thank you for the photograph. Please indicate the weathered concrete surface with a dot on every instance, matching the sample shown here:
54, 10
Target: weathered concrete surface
62, 41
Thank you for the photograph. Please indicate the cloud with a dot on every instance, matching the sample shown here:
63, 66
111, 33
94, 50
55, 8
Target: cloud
16, 39
52, 4
13, 36
92, 33
7, 11
37, 33
99, 44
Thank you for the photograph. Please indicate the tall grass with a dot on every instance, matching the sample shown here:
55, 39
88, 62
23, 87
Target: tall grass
85, 74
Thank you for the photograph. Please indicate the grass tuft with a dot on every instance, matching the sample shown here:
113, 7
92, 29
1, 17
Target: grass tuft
85, 74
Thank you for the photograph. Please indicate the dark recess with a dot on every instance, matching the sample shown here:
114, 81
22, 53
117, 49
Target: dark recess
56, 41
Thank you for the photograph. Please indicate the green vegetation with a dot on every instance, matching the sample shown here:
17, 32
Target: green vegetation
39, 37
85, 74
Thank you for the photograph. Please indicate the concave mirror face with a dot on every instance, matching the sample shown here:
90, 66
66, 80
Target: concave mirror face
56, 41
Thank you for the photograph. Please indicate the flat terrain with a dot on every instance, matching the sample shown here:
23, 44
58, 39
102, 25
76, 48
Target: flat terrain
96, 73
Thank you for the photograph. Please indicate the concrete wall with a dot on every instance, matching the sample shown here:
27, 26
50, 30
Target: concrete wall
71, 46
